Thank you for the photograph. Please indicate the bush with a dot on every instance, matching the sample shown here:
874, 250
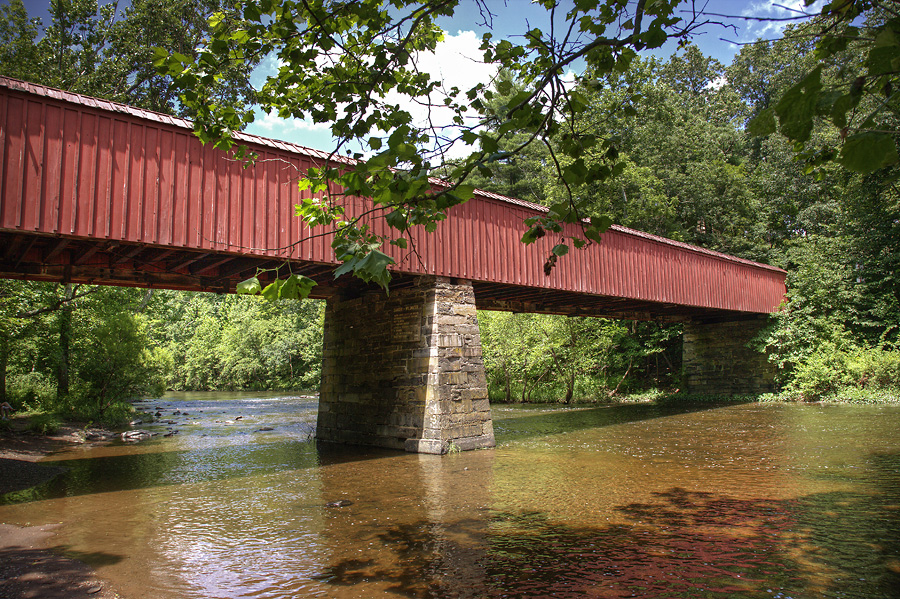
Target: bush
31, 391
832, 373
44, 424
874, 367
114, 366
821, 373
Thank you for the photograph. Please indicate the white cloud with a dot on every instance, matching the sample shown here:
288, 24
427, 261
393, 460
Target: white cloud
778, 15
275, 124
456, 61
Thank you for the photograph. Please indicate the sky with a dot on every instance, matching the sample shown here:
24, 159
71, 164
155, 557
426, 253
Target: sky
457, 58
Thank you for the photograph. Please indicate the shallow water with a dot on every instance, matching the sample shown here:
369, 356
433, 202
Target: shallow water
750, 500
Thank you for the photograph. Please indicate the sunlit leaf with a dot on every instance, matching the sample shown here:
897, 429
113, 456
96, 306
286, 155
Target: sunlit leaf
251, 286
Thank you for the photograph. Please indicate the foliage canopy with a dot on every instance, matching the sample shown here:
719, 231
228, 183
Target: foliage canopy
347, 63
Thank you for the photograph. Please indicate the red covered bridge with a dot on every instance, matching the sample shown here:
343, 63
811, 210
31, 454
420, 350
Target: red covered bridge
97, 192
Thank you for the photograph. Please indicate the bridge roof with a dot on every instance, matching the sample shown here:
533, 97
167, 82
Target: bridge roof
98, 191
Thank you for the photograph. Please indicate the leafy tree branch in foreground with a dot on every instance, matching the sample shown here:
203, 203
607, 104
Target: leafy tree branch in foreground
349, 64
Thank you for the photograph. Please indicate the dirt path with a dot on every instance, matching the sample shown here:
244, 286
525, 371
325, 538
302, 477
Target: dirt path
31, 566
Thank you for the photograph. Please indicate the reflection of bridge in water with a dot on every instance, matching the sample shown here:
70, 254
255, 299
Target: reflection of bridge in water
97, 192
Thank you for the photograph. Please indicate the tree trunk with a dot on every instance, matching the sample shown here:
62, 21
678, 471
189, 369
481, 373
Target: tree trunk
527, 398
508, 383
145, 302
4, 353
524, 381
65, 336
621, 380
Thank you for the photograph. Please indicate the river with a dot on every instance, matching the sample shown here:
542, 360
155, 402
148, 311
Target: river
754, 500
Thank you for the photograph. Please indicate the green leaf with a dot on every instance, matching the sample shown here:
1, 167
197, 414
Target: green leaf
762, 124
575, 173
592, 234
560, 249
271, 290
289, 288
841, 106
305, 285
868, 152
251, 286
601, 223
397, 220
797, 107
531, 235
400, 242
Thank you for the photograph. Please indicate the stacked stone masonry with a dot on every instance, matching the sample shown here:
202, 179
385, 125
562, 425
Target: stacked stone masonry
405, 371
718, 359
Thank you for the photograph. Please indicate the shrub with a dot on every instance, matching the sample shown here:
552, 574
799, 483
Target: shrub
44, 424
821, 373
874, 367
115, 365
31, 391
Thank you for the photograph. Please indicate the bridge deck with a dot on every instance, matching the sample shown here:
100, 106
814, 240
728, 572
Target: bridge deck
97, 192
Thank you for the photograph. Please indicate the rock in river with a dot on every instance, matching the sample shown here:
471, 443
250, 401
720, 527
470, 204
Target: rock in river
135, 436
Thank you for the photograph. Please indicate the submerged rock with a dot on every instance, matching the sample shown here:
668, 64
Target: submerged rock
339, 503
95, 435
135, 436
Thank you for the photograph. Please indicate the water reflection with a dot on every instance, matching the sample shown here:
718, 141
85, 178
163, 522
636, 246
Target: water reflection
759, 501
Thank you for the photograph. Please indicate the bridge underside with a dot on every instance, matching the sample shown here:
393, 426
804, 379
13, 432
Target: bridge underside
404, 370
35, 257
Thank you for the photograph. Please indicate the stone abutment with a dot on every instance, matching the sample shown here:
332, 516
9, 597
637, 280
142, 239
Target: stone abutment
405, 371
718, 359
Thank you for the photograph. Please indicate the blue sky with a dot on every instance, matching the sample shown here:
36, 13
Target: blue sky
457, 59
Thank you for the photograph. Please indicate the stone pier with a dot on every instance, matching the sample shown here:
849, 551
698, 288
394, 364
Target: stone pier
405, 371
717, 359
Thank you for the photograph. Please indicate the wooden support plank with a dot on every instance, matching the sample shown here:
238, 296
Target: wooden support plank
208, 267
131, 254
27, 249
85, 256
188, 261
13, 248
60, 246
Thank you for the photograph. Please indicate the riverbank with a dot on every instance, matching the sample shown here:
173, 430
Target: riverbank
848, 396
31, 564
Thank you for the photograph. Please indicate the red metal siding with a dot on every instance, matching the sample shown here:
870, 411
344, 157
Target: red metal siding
81, 167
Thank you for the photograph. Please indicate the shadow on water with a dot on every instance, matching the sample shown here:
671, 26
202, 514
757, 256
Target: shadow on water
679, 544
128, 471
552, 420
125, 472
57, 575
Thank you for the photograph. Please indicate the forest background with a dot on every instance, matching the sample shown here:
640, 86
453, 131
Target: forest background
691, 172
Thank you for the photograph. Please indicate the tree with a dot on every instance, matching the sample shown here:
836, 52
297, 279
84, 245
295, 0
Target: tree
19, 53
345, 63
92, 49
862, 104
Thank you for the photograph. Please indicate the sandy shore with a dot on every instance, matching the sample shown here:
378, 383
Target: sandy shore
31, 565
